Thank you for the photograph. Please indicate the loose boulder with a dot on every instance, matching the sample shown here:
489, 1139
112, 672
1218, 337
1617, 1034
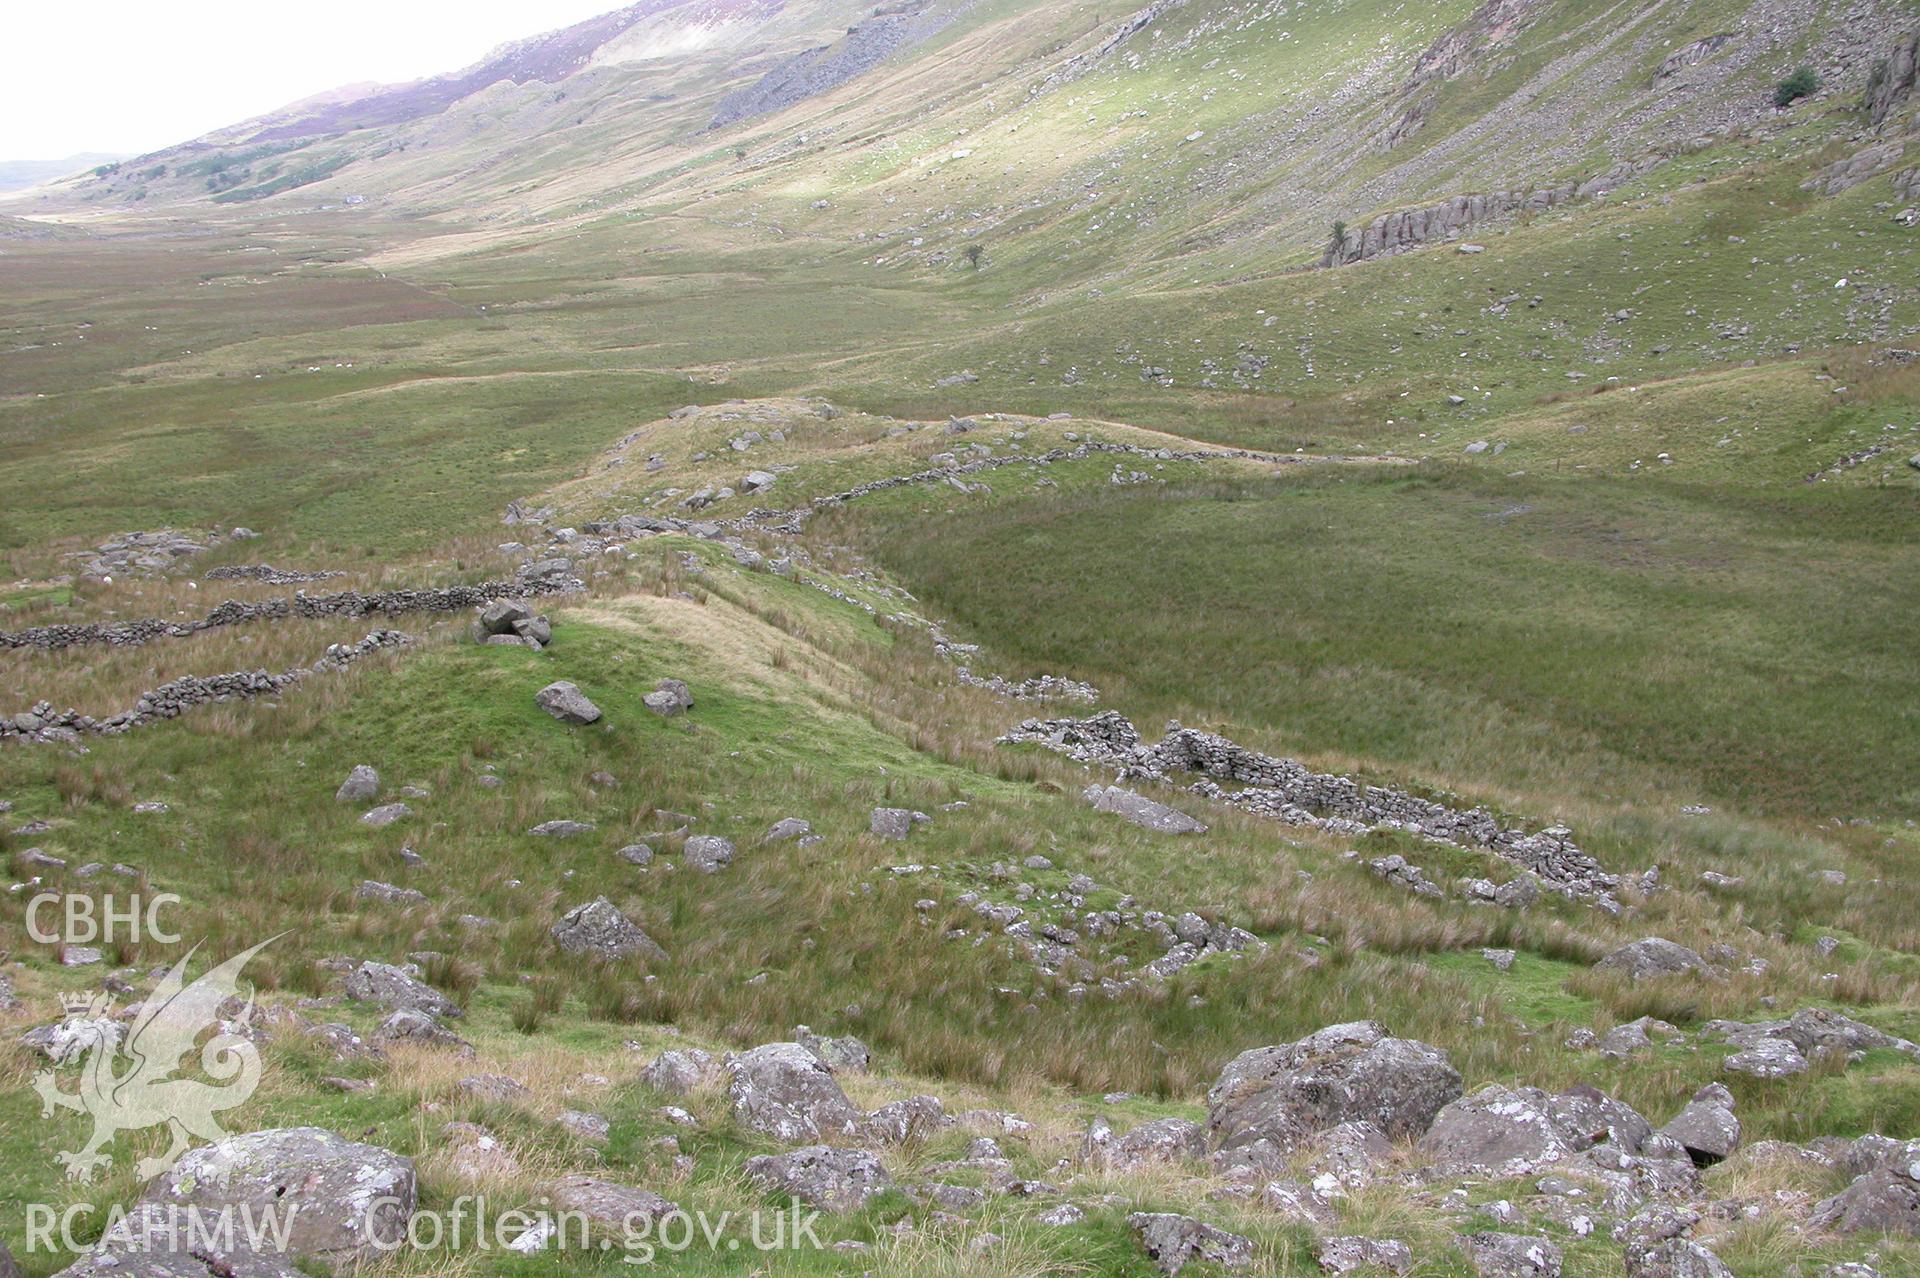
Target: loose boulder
1496, 1255
1706, 1128
615, 1208
1171, 1241
567, 703
680, 1071
1651, 957
340, 1201
1142, 811
1498, 1131
786, 1092
894, 823
707, 853
391, 986
600, 930
837, 1180
362, 784
1163, 1141
1269, 1101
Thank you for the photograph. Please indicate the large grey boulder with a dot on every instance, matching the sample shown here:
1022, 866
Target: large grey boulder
1652, 956
1158, 1142
1885, 1200
1706, 1128
154, 1241
680, 1071
567, 703
1171, 1241
500, 616
1269, 1101
1496, 1255
1142, 811
786, 1092
1164, 1141
707, 853
612, 1207
894, 823
1588, 1117
843, 1055
386, 814
362, 783
339, 1201
1498, 1131
1659, 1244
1345, 1255
836, 1180
391, 986
898, 1122
598, 929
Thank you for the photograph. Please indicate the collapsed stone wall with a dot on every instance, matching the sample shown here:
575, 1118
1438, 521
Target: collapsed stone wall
346, 603
1290, 791
44, 724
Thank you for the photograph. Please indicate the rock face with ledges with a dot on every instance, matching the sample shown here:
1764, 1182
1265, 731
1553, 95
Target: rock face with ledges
600, 930
788, 1093
1269, 1101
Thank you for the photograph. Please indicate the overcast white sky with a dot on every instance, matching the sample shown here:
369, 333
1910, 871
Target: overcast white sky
136, 75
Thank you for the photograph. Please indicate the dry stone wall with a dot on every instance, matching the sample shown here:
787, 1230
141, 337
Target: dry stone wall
1290, 791
44, 724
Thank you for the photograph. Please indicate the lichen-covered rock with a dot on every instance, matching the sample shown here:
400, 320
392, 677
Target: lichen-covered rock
1160, 1142
786, 1092
837, 1180
1347, 1254
341, 1202
843, 1055
598, 929
1496, 1255
617, 1209
1270, 1100
898, 1122
680, 1071
1146, 813
386, 814
1651, 957
1659, 1244
391, 986
362, 783
567, 703
894, 823
1883, 1200
1498, 1131
1171, 1241
707, 853
1706, 1128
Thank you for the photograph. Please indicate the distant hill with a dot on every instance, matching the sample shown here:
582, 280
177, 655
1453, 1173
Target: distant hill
18, 175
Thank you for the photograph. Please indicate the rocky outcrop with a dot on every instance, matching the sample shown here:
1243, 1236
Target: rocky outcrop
786, 1092
836, 1180
1892, 81
1406, 229
1290, 791
391, 986
599, 930
1131, 26
1692, 55
1651, 957
1172, 1241
343, 1203
1270, 1101
1493, 25
866, 45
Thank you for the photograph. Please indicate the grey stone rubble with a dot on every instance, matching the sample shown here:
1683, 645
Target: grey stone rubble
44, 724
147, 553
1292, 792
267, 574
346, 603
1039, 688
